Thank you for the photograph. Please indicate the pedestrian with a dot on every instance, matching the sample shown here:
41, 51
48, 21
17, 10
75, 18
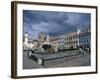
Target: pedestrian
82, 51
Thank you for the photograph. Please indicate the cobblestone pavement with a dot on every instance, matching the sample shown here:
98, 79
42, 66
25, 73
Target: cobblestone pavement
28, 63
76, 61
73, 61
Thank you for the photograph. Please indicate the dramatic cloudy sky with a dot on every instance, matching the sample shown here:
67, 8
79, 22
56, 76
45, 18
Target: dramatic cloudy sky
53, 23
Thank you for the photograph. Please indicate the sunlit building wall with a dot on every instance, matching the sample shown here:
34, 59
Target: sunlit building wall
71, 40
80, 38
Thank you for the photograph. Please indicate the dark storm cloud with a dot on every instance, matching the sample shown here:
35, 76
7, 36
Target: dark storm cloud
53, 23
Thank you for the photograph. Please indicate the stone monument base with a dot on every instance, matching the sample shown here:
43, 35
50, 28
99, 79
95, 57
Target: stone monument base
47, 60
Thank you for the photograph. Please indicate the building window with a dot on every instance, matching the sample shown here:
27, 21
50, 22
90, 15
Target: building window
76, 42
70, 37
87, 35
84, 41
87, 41
71, 42
66, 43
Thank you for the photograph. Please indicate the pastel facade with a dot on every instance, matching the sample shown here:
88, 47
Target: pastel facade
81, 38
71, 40
85, 38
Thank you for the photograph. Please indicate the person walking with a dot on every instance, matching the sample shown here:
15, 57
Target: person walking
82, 51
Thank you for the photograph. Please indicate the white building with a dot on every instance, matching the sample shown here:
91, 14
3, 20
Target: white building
71, 40
80, 38
27, 44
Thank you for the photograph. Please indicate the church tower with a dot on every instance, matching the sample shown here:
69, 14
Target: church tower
26, 39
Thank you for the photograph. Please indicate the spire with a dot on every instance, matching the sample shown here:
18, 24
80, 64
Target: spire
78, 31
47, 38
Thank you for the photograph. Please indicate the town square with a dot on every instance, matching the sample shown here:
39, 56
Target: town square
57, 39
